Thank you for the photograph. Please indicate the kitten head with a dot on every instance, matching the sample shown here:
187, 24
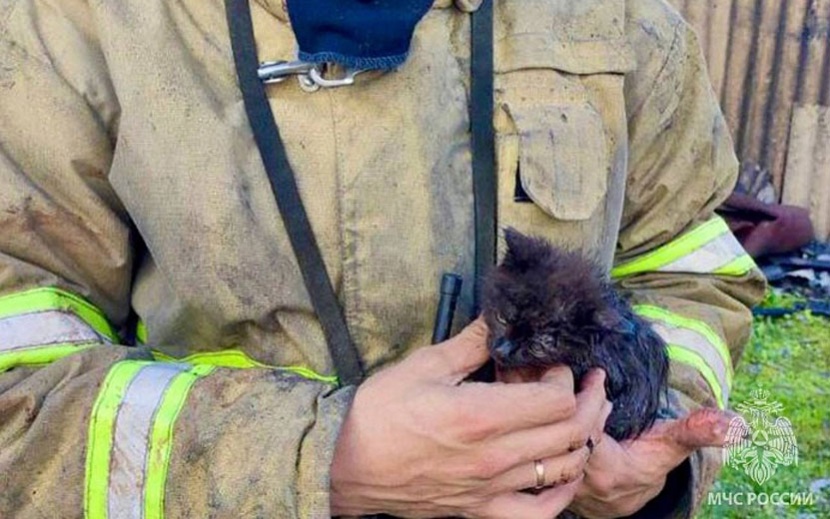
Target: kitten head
543, 305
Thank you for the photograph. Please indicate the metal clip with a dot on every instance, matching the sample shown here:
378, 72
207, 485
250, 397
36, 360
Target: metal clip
347, 79
310, 75
277, 71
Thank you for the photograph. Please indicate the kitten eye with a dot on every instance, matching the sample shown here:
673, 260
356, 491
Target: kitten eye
500, 319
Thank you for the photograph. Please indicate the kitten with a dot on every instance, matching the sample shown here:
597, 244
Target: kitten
546, 306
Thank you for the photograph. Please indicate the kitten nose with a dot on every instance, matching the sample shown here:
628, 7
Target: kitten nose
502, 348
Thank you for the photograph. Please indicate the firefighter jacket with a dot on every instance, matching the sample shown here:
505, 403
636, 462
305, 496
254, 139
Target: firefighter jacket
130, 185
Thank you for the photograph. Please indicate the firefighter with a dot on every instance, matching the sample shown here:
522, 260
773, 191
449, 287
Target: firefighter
134, 203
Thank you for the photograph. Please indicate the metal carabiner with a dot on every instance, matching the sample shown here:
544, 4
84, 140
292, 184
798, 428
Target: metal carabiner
348, 77
271, 72
309, 75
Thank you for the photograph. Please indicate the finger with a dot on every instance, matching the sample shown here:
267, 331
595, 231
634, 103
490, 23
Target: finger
604, 467
548, 503
596, 378
557, 471
504, 408
591, 394
464, 353
559, 374
593, 378
701, 428
597, 436
532, 374
518, 375
607, 451
564, 435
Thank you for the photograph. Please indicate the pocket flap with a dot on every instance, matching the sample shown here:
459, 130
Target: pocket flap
563, 158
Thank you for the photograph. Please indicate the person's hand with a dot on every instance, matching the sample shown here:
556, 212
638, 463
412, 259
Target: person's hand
621, 478
420, 442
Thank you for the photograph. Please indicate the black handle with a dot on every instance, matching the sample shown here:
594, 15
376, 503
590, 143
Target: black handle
450, 290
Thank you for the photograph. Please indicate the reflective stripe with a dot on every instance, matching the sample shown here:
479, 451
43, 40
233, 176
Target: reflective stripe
43, 325
311, 374
41, 356
99, 442
233, 358
708, 364
161, 439
130, 445
739, 267
656, 313
710, 257
130, 437
224, 358
50, 298
710, 248
692, 359
43, 328
238, 359
141, 332
704, 348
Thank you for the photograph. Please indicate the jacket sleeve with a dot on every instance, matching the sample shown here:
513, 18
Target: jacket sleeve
679, 262
89, 428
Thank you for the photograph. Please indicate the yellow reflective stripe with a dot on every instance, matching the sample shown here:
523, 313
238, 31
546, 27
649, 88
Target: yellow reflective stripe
99, 442
141, 332
222, 358
694, 360
311, 375
238, 359
662, 315
104, 489
161, 439
673, 250
709, 257
40, 356
51, 298
737, 267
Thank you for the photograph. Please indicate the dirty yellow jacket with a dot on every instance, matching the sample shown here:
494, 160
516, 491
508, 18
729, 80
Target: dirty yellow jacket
133, 202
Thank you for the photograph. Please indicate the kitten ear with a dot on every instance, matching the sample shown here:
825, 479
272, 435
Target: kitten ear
612, 319
514, 240
521, 249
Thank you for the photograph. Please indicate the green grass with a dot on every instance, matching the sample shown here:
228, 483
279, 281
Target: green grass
789, 357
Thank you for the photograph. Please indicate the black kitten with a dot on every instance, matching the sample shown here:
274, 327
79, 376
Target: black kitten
546, 306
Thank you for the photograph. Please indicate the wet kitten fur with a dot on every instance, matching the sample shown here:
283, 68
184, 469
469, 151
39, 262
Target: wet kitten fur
546, 306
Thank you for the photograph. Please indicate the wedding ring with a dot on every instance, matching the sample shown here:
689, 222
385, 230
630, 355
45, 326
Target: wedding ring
539, 468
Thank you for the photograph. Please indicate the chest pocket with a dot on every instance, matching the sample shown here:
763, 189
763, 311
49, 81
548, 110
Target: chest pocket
558, 64
562, 157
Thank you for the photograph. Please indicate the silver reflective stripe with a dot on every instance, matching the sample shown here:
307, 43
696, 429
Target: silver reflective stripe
44, 328
710, 257
698, 343
131, 440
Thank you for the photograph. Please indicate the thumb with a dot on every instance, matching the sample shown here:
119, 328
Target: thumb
701, 428
466, 352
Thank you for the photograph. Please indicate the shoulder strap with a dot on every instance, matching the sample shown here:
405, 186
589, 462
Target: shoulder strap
283, 184
483, 145
281, 176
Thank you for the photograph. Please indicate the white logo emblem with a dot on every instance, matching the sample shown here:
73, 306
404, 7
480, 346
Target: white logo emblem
760, 440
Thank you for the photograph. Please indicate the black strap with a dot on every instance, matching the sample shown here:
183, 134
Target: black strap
341, 347
281, 176
483, 145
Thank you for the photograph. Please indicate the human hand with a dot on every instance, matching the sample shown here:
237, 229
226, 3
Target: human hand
420, 442
621, 477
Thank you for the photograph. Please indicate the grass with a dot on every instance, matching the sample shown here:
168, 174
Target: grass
789, 357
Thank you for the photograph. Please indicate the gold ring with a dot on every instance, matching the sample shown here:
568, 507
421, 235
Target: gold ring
539, 468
